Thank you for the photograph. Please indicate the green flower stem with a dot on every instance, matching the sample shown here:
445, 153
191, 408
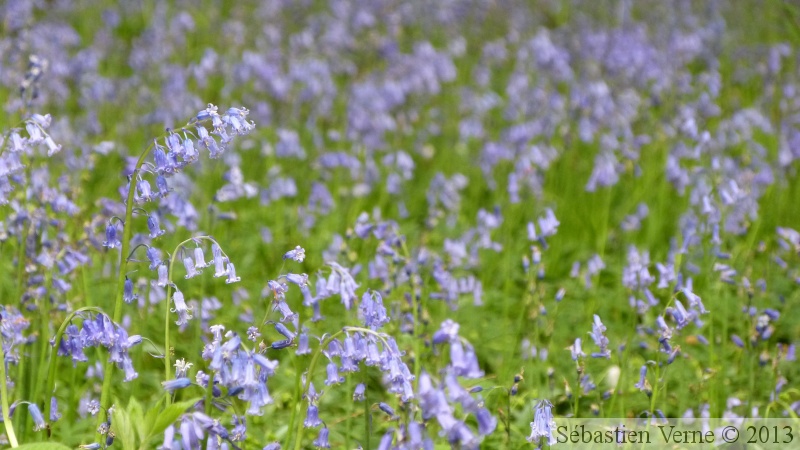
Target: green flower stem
43, 306
417, 314
12, 438
367, 412
167, 318
51, 372
127, 234
298, 395
298, 444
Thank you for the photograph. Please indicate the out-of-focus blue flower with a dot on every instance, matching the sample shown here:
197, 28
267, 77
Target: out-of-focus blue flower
127, 292
111, 236
191, 271
54, 414
297, 254
597, 334
372, 310
322, 439
312, 417
232, 278
358, 393
576, 350
177, 383
163, 276
36, 415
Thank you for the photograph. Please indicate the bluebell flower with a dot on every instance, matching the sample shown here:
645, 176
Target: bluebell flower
447, 332
597, 334
239, 431
576, 350
162, 163
127, 368
341, 282
673, 354
154, 227
191, 271
281, 328
737, 340
456, 393
154, 256
680, 314
219, 261
458, 359
386, 440
322, 439
279, 345
457, 432
181, 367
283, 308
643, 384
316, 313
36, 415
267, 366
358, 393
162, 186
145, 191
333, 375
174, 385
54, 414
486, 421
298, 279
543, 424
199, 259
253, 334
386, 409
184, 311
312, 417
303, 344
432, 401
772, 314
272, 446
372, 310
128, 295
586, 383
232, 278
111, 236
163, 276
694, 300
297, 254
414, 437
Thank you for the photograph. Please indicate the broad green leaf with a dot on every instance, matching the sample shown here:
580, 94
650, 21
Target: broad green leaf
149, 422
136, 416
121, 425
43, 446
169, 415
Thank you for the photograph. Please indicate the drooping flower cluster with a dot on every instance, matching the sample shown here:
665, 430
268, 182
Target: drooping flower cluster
12, 328
14, 146
440, 401
100, 331
243, 372
543, 425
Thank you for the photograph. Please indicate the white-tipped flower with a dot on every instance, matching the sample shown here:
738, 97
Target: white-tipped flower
298, 254
200, 259
163, 275
188, 263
